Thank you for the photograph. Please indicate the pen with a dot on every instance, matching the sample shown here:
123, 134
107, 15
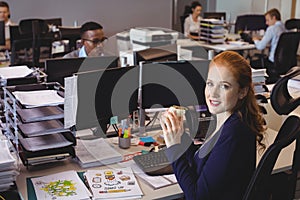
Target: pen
113, 191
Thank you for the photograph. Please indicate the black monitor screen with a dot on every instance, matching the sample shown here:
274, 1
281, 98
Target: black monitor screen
58, 69
54, 21
173, 83
214, 15
154, 55
103, 94
2, 33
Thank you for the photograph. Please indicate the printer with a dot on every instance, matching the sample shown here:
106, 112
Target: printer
151, 37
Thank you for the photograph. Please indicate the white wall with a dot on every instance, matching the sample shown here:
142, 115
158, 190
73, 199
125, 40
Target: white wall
114, 15
255, 6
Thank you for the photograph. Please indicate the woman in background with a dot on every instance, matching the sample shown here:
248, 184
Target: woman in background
222, 167
192, 22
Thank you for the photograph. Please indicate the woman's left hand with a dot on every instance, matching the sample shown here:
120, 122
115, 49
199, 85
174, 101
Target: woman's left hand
172, 126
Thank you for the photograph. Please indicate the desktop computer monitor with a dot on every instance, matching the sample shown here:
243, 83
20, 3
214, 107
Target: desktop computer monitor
58, 69
172, 83
2, 33
154, 55
176, 83
215, 15
103, 94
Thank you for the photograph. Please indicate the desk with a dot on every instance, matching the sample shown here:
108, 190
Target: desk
215, 47
169, 192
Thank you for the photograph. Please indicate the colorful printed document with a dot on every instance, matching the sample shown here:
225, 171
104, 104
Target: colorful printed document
113, 184
60, 186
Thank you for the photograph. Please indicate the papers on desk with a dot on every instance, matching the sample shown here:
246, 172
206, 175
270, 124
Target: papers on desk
8, 167
237, 43
38, 98
60, 186
15, 72
96, 152
155, 182
113, 184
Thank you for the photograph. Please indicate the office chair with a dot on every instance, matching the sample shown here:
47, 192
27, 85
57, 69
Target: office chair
182, 19
285, 55
282, 102
291, 24
259, 186
31, 44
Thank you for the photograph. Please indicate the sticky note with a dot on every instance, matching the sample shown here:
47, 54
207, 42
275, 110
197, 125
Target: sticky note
114, 120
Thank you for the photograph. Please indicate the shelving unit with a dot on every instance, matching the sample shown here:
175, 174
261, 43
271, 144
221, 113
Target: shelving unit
212, 31
37, 76
41, 139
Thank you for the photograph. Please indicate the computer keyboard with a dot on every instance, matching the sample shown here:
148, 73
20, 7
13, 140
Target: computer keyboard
154, 163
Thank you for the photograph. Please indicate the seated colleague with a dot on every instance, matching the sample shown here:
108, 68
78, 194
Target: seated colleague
4, 16
273, 32
192, 22
92, 36
223, 166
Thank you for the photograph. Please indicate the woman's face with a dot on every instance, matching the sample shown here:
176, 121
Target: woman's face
197, 10
222, 91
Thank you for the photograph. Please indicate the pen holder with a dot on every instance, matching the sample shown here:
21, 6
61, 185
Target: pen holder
124, 143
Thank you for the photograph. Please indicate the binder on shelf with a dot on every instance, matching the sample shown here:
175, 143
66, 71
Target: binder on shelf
40, 114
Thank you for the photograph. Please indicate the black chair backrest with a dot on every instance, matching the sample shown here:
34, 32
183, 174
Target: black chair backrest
182, 19
286, 52
281, 100
35, 27
292, 24
250, 23
258, 186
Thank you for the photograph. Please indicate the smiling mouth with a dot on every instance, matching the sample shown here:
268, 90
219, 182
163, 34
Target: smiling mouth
214, 103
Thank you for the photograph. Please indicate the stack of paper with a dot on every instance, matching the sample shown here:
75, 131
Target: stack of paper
15, 72
113, 184
38, 98
96, 152
258, 79
8, 167
64, 185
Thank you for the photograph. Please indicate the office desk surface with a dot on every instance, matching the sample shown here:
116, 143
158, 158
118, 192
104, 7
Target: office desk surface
215, 47
169, 192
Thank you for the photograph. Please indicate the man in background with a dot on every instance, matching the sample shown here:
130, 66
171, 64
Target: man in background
271, 37
92, 36
5, 16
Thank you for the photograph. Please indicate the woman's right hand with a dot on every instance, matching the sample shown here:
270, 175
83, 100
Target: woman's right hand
172, 126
